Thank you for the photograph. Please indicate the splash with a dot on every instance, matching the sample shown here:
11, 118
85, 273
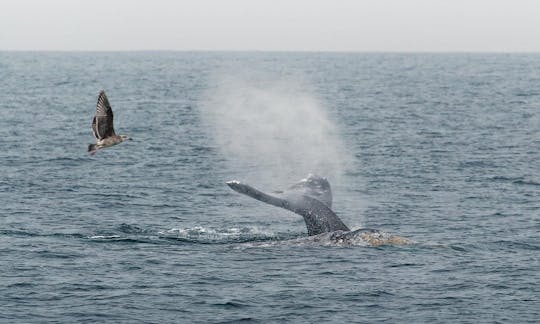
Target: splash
272, 131
203, 235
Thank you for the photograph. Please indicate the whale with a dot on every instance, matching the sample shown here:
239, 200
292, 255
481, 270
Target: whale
311, 198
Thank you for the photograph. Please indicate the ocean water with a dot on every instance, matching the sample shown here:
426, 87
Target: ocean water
443, 149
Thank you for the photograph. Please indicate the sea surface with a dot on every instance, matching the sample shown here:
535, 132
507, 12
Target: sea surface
443, 149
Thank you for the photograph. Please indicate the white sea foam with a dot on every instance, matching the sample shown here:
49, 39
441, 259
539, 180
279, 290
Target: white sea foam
218, 235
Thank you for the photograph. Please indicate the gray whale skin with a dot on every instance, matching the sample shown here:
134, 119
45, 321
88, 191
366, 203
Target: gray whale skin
311, 198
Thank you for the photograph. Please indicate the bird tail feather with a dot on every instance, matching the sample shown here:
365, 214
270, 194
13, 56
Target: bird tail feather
92, 148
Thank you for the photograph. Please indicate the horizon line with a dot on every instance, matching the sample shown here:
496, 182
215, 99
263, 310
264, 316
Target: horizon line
278, 51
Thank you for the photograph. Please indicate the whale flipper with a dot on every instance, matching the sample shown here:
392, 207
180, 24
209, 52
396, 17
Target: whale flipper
311, 198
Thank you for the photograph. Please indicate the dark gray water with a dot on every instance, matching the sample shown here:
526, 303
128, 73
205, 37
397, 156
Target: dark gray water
442, 149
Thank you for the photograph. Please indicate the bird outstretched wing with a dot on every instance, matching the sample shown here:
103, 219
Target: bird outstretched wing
102, 125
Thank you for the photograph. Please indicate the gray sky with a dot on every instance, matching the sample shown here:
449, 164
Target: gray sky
306, 25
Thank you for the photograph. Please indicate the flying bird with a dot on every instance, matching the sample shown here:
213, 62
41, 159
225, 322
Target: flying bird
102, 126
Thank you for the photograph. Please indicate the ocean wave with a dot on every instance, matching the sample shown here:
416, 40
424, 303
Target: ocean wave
520, 180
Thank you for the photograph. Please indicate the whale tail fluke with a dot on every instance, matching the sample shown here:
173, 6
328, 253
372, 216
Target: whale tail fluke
311, 198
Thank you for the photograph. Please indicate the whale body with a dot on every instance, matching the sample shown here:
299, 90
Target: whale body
311, 198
